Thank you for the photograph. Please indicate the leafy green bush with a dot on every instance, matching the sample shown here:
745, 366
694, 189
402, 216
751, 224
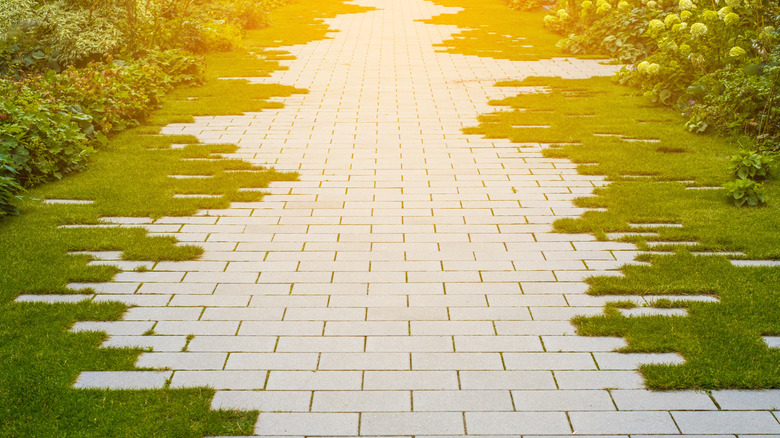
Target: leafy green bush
751, 165
717, 60
746, 192
40, 137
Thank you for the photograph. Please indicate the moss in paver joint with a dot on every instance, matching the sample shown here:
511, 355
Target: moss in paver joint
41, 358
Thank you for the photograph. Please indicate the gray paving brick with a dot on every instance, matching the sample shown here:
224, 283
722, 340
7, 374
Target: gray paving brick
599, 380
632, 361
182, 361
220, 379
232, 343
457, 361
644, 400
748, 400
761, 422
462, 401
196, 327
582, 343
113, 327
122, 379
268, 401
409, 343
272, 361
622, 422
362, 401
319, 344
156, 343
497, 343
482, 423
506, 380
314, 380
534, 328
411, 423
549, 361
311, 423
364, 361
410, 380
563, 400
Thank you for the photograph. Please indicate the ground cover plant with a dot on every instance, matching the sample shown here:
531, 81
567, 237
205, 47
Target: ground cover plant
660, 173
127, 177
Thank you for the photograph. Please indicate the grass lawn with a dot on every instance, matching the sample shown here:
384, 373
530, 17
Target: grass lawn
654, 165
40, 357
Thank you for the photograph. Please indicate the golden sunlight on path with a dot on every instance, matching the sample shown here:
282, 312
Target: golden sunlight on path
409, 284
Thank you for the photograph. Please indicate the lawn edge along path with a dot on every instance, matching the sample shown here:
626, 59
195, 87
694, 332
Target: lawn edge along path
130, 179
718, 311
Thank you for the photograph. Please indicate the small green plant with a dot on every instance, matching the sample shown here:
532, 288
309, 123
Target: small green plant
751, 165
746, 192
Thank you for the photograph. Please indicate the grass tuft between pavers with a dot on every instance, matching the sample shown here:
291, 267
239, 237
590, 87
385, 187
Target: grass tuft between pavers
652, 163
40, 357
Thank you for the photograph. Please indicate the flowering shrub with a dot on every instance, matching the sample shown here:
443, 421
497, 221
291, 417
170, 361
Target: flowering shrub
718, 61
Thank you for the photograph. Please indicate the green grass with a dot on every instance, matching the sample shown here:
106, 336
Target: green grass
720, 341
40, 357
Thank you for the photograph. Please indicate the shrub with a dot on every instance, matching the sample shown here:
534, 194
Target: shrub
746, 192
718, 61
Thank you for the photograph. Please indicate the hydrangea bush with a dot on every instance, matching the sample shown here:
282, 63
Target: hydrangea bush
718, 61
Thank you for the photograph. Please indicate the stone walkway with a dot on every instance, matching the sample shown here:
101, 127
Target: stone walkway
408, 284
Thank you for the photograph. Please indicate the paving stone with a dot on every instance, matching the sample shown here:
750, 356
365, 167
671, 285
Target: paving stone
562, 400
364, 361
272, 361
497, 343
644, 400
232, 343
549, 361
267, 401
481, 423
462, 401
122, 379
156, 343
457, 361
113, 327
761, 422
234, 380
182, 360
632, 361
410, 380
75, 298
599, 380
314, 380
411, 423
748, 400
409, 343
622, 422
361, 401
506, 380
311, 423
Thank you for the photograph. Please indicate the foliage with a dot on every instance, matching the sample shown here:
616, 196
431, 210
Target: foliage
718, 61
751, 165
745, 191
50, 123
